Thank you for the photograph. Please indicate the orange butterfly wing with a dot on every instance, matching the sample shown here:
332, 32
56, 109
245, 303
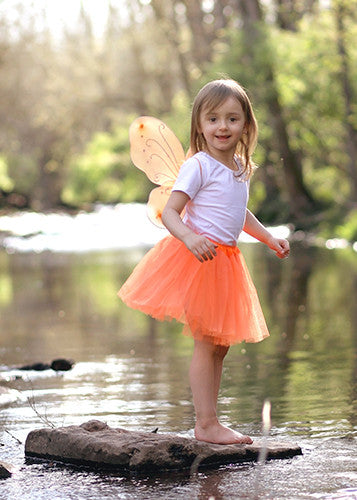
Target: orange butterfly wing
155, 149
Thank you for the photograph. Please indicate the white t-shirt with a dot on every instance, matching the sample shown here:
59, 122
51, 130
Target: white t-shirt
218, 198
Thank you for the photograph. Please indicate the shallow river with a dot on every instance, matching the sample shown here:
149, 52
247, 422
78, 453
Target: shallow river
130, 371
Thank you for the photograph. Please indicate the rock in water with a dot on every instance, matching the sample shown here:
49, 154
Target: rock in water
62, 364
5, 471
57, 365
38, 367
95, 443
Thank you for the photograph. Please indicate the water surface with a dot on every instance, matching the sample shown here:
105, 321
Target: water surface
131, 372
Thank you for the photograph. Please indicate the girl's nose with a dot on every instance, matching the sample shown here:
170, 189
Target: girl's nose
222, 125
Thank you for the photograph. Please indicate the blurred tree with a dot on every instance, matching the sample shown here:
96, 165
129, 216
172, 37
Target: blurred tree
166, 16
65, 100
201, 36
256, 42
290, 12
46, 112
103, 172
346, 12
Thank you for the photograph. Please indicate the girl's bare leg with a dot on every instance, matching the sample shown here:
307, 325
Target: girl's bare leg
205, 379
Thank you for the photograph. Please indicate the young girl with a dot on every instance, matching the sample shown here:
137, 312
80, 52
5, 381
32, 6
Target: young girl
197, 274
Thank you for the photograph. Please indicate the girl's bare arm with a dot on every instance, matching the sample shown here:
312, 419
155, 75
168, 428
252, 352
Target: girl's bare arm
201, 247
253, 227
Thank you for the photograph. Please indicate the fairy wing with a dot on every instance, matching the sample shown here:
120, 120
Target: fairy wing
156, 204
155, 149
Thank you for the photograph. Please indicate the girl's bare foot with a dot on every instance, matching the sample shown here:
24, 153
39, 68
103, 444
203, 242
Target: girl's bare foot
219, 434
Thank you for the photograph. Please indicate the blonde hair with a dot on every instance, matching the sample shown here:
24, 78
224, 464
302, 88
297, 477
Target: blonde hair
212, 95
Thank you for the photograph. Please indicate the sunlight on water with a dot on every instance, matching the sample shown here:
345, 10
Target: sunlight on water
266, 417
266, 426
107, 228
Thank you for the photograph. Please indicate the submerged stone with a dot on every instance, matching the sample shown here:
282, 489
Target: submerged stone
5, 470
95, 443
59, 364
62, 365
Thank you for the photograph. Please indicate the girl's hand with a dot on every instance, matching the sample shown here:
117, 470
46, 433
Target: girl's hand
202, 248
280, 246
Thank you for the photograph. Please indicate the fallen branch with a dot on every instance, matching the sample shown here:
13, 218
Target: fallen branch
13, 437
43, 418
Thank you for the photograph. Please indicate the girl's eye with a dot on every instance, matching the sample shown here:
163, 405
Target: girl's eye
212, 119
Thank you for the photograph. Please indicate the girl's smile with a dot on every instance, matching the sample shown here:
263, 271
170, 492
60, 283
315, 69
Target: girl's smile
222, 128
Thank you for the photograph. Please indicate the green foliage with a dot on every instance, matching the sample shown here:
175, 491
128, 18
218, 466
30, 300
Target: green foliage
23, 172
348, 229
310, 91
179, 118
6, 183
307, 72
104, 171
67, 106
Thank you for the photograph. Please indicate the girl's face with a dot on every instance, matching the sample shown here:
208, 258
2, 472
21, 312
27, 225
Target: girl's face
222, 129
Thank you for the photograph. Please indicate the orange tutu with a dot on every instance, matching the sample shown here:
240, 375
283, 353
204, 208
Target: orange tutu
216, 300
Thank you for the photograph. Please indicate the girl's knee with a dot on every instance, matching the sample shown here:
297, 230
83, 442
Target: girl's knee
220, 351
211, 349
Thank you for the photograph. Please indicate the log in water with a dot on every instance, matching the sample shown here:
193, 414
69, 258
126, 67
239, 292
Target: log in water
95, 443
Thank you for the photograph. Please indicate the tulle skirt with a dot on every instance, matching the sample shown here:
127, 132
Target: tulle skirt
215, 300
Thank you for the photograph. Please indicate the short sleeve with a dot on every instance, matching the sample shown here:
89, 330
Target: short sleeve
189, 179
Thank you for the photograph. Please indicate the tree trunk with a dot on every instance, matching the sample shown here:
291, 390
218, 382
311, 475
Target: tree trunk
172, 32
289, 12
220, 17
138, 84
346, 79
300, 200
181, 56
201, 41
49, 186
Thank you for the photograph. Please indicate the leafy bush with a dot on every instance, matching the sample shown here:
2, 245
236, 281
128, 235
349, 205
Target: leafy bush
104, 171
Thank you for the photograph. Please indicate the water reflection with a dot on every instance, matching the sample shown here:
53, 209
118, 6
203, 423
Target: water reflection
131, 371
56, 305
